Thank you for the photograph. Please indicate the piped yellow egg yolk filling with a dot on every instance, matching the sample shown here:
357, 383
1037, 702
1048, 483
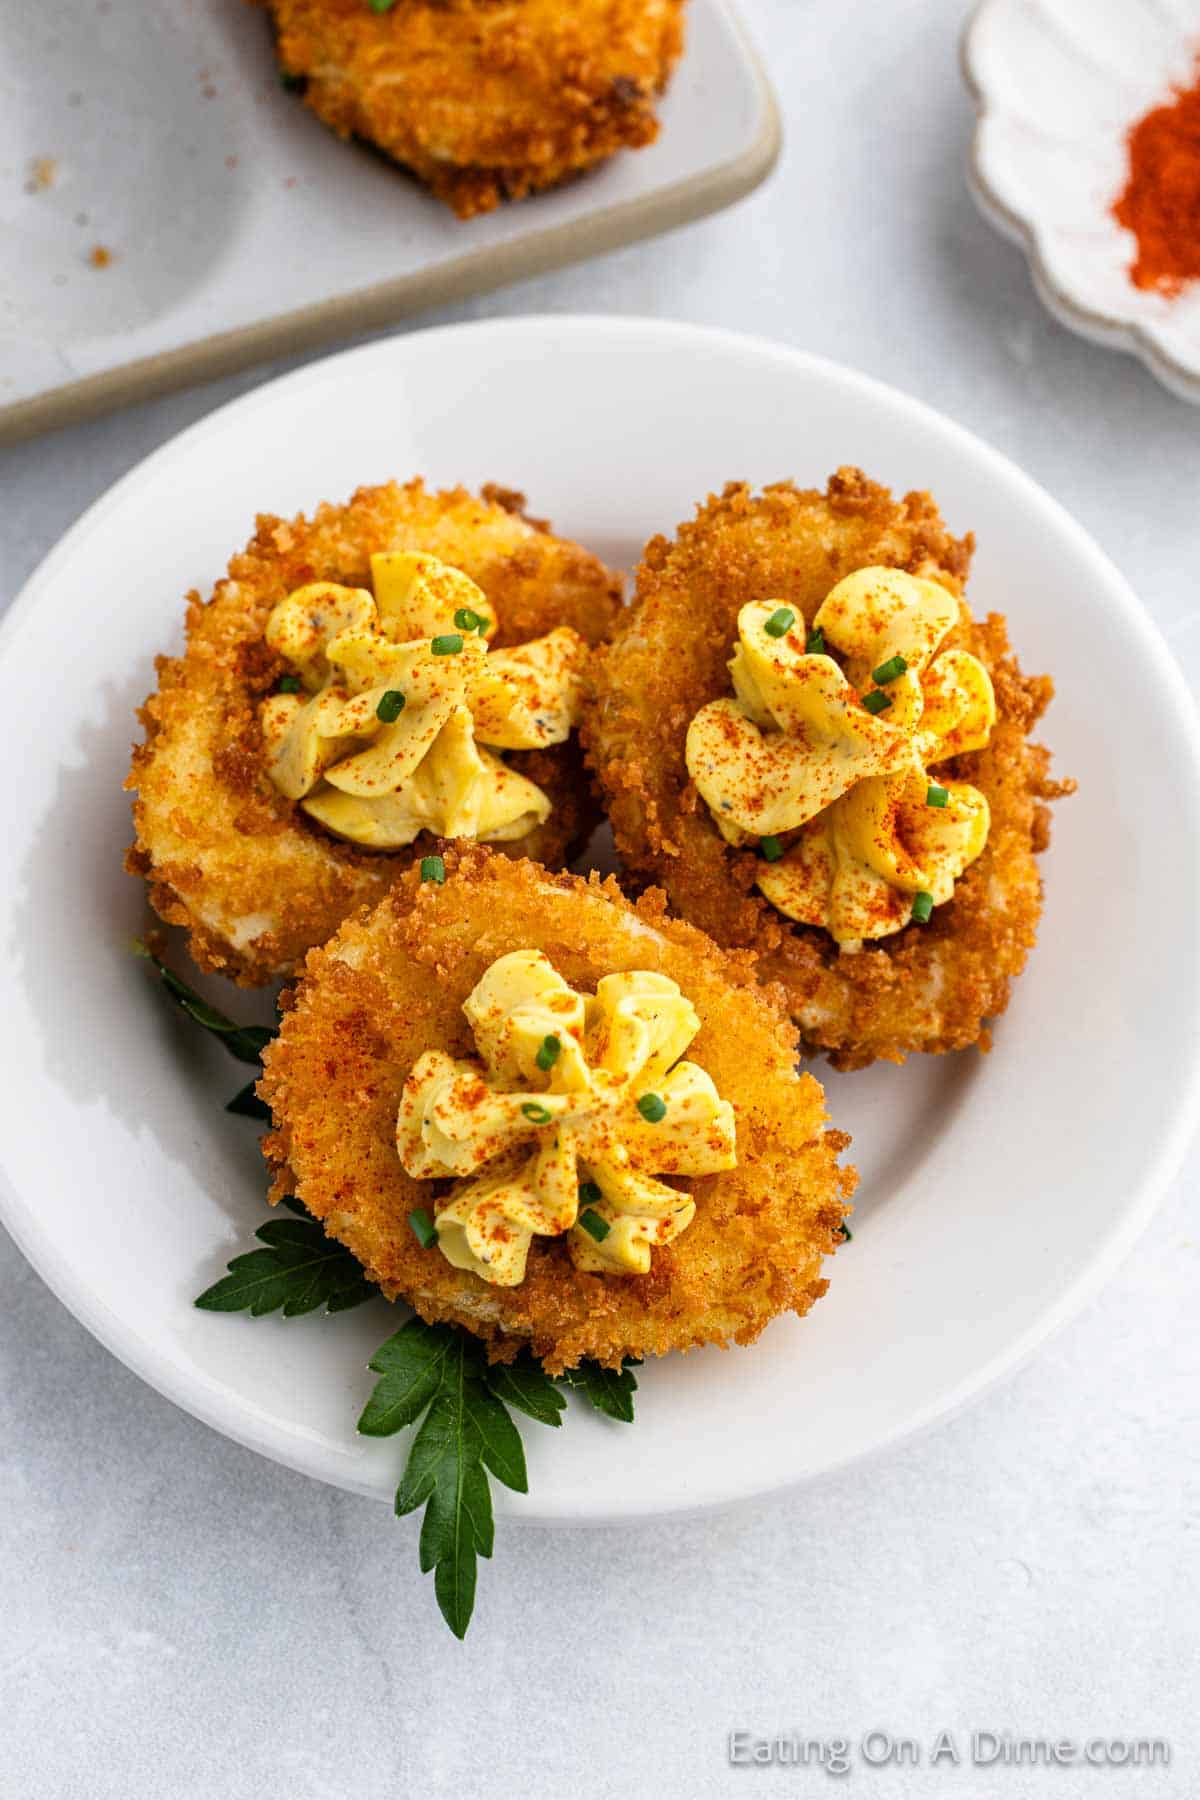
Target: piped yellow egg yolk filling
839, 753
398, 710
560, 1124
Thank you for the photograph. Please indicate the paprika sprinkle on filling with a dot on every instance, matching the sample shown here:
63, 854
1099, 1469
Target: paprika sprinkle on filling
385, 727
1161, 201
807, 746
569, 1142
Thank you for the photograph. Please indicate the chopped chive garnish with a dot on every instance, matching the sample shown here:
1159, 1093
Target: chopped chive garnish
846, 1232
381, 6
293, 83
780, 622
814, 643
423, 1228
548, 1055
537, 1115
391, 705
652, 1108
589, 1192
467, 620
891, 670
771, 849
935, 795
594, 1225
450, 645
433, 868
877, 702
922, 907
483, 624
289, 684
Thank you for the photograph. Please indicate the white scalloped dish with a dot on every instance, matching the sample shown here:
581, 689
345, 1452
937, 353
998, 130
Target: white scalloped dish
1058, 84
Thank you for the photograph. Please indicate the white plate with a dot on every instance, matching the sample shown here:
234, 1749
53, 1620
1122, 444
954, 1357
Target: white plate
1058, 84
241, 228
996, 1193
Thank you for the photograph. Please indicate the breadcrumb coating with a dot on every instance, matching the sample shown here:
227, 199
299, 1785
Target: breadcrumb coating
930, 987
251, 878
485, 100
391, 985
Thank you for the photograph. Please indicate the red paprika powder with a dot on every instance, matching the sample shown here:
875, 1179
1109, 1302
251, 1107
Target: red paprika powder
1161, 201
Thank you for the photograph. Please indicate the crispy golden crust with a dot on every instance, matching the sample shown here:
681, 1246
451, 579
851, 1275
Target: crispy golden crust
485, 100
391, 986
226, 855
928, 988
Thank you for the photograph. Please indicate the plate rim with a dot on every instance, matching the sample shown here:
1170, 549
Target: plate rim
478, 271
256, 1429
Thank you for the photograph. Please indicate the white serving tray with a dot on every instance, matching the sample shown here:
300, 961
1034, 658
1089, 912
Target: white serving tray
240, 228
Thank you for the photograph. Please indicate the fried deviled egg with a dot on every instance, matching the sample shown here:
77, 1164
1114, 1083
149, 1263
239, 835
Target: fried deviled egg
534, 1109
804, 735
484, 102
362, 685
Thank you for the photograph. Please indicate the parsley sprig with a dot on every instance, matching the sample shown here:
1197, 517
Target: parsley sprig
436, 1377
610, 1391
299, 1271
467, 1432
245, 1043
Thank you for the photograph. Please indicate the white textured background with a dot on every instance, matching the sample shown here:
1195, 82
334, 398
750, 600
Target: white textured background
181, 1621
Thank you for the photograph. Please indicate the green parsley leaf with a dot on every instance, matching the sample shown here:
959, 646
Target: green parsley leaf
501, 1448
411, 1365
525, 1385
245, 1042
299, 1271
466, 1434
610, 1391
247, 1103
